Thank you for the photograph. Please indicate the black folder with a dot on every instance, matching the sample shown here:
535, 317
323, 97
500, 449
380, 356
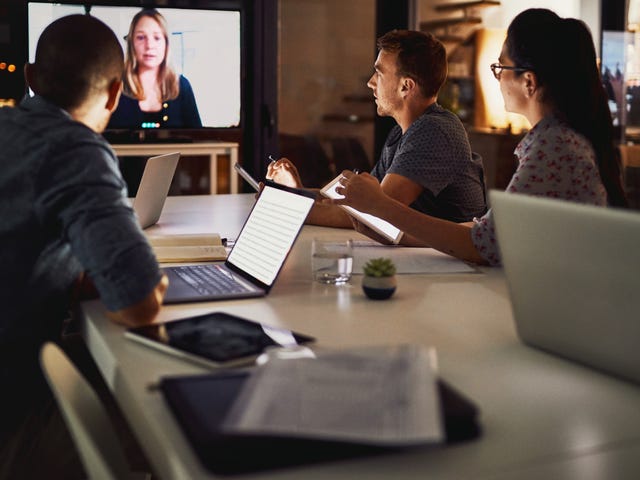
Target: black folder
200, 404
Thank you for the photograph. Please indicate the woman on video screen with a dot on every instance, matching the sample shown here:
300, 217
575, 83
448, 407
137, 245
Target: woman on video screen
154, 96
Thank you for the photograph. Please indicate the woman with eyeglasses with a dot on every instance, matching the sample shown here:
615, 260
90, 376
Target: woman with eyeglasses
547, 72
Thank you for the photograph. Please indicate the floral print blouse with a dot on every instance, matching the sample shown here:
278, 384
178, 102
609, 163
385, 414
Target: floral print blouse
554, 161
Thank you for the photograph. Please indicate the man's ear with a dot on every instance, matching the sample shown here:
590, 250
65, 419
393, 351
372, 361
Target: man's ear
31, 76
407, 85
115, 88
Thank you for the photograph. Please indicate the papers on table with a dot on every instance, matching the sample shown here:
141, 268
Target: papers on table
408, 259
379, 395
187, 247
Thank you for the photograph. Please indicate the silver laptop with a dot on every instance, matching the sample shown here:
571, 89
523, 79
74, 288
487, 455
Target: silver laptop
154, 187
574, 275
257, 256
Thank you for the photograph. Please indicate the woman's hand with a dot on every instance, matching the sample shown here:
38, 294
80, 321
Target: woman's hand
361, 191
283, 171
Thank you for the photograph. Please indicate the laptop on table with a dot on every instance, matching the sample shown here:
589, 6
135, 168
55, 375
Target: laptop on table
257, 256
154, 188
573, 273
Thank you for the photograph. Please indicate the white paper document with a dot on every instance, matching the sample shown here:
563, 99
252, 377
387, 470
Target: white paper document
409, 259
383, 396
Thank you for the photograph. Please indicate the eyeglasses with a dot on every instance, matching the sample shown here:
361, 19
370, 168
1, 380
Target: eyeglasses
497, 69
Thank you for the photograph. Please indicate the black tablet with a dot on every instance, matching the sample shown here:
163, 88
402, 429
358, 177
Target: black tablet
215, 339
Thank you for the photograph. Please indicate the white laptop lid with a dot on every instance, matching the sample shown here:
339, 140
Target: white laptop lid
573, 273
154, 187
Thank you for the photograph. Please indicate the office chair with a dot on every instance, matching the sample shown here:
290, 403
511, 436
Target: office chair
91, 429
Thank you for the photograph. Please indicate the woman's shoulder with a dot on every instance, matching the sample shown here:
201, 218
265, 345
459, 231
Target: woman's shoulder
184, 81
557, 138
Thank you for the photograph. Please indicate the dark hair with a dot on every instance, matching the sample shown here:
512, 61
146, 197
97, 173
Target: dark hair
421, 57
76, 56
562, 55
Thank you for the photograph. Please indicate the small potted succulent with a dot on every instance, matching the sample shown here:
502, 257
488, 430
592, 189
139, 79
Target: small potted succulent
379, 281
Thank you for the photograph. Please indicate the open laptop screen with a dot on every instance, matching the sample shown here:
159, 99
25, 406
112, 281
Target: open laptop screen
269, 233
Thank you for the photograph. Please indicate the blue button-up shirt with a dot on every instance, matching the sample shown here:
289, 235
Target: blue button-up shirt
63, 210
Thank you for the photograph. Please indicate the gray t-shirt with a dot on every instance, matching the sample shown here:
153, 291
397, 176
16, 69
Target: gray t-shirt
435, 153
64, 210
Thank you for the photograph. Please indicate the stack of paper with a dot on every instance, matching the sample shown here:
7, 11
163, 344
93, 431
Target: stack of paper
383, 396
409, 259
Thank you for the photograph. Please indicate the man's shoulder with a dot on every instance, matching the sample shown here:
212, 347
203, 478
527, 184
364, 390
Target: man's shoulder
32, 128
436, 121
437, 126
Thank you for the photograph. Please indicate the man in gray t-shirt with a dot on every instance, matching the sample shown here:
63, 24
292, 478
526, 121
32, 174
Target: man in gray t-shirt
434, 153
427, 161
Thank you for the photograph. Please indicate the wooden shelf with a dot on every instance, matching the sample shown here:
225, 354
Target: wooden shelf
336, 117
450, 38
450, 7
449, 22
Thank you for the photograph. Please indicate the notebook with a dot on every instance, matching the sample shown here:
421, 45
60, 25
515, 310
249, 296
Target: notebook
257, 256
154, 187
378, 225
572, 272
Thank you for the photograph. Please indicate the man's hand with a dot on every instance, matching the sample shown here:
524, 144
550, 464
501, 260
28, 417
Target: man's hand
146, 310
283, 171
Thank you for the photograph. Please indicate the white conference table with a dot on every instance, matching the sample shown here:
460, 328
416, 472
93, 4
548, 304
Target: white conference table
542, 416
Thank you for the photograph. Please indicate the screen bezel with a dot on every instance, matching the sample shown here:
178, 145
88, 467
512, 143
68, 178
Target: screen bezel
174, 134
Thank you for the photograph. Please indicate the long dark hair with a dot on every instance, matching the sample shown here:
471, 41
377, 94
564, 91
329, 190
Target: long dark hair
561, 53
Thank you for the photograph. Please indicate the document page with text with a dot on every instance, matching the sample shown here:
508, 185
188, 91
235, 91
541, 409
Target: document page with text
378, 395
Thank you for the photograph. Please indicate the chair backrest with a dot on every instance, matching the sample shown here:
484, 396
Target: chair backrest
308, 156
349, 154
93, 434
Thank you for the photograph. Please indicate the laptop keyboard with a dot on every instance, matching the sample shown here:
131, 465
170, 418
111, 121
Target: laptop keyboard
210, 279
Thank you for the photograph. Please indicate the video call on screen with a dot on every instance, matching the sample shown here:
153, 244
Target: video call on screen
204, 47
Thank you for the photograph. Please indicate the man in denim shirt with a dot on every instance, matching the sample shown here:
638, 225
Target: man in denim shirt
65, 220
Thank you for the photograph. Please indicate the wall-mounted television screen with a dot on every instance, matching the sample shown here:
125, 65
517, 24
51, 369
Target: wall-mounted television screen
203, 49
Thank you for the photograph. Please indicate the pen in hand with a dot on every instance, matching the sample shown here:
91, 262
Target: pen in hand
272, 158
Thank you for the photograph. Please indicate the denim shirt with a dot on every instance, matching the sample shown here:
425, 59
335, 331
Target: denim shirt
63, 210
